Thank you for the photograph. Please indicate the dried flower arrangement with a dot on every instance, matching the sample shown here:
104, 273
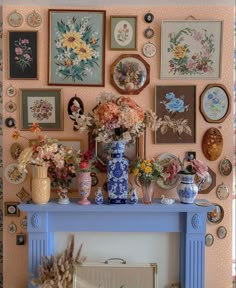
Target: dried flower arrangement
57, 271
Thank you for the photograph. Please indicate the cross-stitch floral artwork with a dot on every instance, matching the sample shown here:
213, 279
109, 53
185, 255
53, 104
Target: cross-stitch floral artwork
191, 49
76, 47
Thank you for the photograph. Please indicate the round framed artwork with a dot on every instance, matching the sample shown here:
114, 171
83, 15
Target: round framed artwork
148, 17
130, 74
13, 175
148, 33
15, 19
225, 167
215, 103
10, 106
34, 19
216, 215
149, 50
11, 91
222, 191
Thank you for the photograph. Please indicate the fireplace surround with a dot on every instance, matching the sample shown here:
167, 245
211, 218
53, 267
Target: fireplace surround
187, 219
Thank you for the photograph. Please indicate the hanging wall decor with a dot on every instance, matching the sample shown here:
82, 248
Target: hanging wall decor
222, 191
175, 106
212, 144
225, 167
11, 91
123, 31
23, 55
216, 215
215, 103
149, 17
221, 232
148, 33
11, 209
191, 49
76, 47
149, 50
130, 74
15, 19
34, 19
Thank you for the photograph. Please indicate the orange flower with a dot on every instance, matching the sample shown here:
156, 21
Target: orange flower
35, 128
15, 135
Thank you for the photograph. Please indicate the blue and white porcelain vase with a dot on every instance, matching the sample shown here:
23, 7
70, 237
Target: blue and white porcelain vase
99, 196
187, 190
117, 174
133, 196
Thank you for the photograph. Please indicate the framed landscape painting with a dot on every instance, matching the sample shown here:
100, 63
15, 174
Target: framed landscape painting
175, 107
23, 55
76, 47
191, 49
43, 106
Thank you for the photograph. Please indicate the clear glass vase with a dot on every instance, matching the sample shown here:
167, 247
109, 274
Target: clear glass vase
148, 191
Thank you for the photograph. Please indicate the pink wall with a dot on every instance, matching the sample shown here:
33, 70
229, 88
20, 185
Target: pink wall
218, 257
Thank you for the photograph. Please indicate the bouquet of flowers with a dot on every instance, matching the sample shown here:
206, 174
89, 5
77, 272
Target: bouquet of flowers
87, 162
148, 170
115, 119
44, 151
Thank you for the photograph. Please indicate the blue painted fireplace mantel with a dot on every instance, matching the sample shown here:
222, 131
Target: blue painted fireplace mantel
187, 219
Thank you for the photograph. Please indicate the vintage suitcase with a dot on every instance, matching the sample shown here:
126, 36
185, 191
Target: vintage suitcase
115, 275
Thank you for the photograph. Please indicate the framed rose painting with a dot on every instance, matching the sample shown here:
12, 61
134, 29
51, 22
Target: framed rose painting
76, 47
175, 107
23, 55
191, 49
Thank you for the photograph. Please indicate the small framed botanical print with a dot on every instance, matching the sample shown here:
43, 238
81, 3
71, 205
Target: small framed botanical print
191, 49
11, 209
123, 32
43, 106
23, 63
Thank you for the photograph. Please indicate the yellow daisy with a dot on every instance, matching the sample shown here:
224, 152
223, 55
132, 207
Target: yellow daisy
84, 51
71, 39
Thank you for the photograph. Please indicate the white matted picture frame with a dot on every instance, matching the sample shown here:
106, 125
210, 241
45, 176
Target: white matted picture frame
123, 31
43, 106
191, 49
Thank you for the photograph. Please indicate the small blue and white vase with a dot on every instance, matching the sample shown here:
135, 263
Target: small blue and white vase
133, 196
187, 190
99, 196
117, 174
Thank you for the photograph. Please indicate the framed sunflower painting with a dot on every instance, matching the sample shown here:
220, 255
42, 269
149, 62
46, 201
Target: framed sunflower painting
76, 47
191, 49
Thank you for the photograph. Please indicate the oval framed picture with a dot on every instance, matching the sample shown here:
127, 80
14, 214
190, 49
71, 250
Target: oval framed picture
11, 91
149, 50
15, 150
130, 74
216, 215
225, 167
12, 228
221, 232
148, 33
209, 239
215, 103
222, 191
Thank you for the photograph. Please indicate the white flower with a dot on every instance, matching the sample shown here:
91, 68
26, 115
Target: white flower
95, 54
76, 61
58, 44
67, 54
60, 57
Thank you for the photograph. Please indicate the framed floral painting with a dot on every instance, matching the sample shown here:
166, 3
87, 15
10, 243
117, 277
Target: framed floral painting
123, 32
43, 106
23, 55
76, 47
191, 49
130, 74
175, 107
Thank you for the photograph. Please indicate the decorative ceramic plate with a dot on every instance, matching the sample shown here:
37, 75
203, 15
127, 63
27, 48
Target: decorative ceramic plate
15, 150
222, 192
11, 91
165, 160
13, 175
34, 19
225, 167
216, 215
149, 50
10, 106
149, 33
15, 19
221, 232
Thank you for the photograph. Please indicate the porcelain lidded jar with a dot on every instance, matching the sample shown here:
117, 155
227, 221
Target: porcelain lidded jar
187, 190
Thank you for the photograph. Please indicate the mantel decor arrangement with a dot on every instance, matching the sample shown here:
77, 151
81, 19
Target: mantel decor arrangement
116, 120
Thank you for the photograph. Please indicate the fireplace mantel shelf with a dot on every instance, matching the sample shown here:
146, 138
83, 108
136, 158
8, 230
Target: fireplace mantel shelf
187, 219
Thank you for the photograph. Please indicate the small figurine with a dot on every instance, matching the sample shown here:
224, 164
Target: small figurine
133, 196
167, 201
63, 198
99, 196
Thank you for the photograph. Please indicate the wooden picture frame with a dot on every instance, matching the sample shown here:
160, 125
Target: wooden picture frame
176, 108
80, 62
130, 74
23, 54
123, 32
215, 103
44, 106
11, 209
191, 49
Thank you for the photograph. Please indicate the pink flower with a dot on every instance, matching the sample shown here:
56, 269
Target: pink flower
18, 51
25, 41
173, 169
84, 165
200, 168
27, 56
